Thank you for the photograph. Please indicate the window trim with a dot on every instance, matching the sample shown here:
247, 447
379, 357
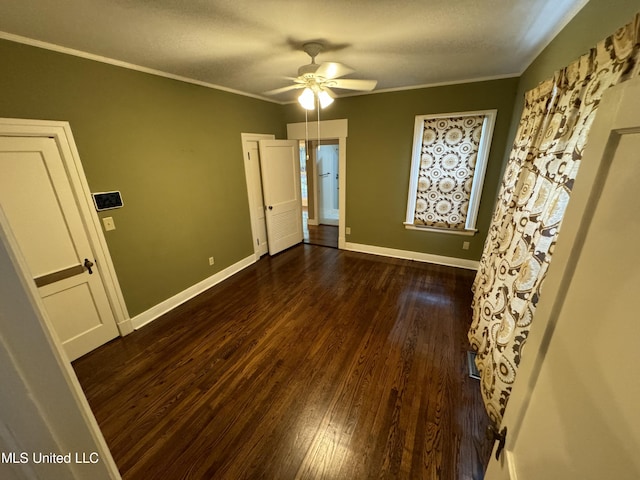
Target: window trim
484, 148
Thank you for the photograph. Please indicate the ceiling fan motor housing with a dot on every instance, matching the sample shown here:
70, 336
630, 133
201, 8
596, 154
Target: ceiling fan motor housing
308, 71
312, 49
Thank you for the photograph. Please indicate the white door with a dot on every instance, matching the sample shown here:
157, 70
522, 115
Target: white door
251, 152
36, 196
280, 167
575, 408
328, 184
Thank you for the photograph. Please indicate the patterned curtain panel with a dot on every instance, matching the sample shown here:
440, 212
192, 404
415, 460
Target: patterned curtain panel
447, 164
533, 197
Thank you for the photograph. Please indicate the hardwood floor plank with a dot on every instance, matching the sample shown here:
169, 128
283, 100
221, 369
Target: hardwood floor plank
313, 364
324, 235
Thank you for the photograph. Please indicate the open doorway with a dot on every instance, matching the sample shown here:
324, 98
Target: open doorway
319, 171
333, 131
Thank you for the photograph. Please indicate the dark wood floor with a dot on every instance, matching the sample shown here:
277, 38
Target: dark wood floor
323, 235
314, 364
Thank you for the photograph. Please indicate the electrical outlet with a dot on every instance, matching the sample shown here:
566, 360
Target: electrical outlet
465, 245
211, 261
347, 231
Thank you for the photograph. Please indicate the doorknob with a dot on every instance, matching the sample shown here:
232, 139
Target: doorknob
270, 207
88, 264
324, 174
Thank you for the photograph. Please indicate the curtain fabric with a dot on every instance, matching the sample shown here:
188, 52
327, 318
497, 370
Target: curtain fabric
533, 197
447, 164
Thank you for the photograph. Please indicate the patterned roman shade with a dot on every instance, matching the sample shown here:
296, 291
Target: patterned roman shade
447, 166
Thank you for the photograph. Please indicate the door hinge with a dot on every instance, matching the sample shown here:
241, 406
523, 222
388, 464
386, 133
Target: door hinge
249, 155
258, 241
500, 437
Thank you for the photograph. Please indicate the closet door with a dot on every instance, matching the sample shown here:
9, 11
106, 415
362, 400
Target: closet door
280, 168
37, 197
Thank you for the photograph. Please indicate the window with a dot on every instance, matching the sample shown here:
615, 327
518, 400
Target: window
450, 153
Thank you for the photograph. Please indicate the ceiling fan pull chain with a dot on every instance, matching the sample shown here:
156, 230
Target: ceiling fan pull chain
306, 134
318, 152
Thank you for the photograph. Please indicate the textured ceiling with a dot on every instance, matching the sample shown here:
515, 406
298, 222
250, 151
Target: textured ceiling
249, 46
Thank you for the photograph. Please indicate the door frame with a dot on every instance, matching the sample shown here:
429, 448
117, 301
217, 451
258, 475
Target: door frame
60, 132
329, 130
252, 137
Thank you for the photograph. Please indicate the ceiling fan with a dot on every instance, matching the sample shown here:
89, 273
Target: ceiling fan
317, 80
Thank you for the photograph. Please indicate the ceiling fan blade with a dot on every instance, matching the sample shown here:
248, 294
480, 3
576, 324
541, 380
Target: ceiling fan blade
330, 70
330, 92
353, 84
295, 79
284, 89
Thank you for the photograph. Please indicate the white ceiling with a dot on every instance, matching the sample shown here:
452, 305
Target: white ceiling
248, 46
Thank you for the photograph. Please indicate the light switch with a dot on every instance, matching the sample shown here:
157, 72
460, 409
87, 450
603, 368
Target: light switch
108, 223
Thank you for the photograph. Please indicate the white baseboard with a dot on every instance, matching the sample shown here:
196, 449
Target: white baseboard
169, 304
125, 327
416, 256
511, 462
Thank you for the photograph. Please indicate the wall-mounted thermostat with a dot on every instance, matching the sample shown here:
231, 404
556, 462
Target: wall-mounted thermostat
107, 200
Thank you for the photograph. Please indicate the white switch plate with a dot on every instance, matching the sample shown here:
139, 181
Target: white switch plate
108, 223
211, 260
347, 231
465, 245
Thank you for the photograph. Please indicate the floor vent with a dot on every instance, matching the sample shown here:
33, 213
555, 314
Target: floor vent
471, 363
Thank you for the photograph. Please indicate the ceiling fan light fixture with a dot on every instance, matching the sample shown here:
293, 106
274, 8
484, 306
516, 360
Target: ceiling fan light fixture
324, 98
307, 99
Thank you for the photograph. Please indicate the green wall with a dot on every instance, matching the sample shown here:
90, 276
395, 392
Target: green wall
173, 149
381, 134
597, 20
379, 159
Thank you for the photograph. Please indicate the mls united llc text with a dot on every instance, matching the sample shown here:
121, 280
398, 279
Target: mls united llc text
39, 457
